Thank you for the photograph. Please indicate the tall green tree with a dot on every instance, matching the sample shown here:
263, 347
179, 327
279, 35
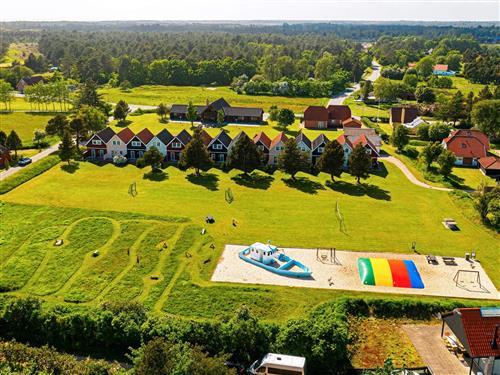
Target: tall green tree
286, 117
430, 153
360, 163
3, 137
486, 117
195, 155
88, 95
425, 67
5, 94
446, 161
153, 158
13, 142
121, 111
57, 125
367, 89
332, 160
67, 150
162, 111
273, 113
244, 155
77, 126
292, 159
92, 117
400, 136
485, 94
38, 136
191, 113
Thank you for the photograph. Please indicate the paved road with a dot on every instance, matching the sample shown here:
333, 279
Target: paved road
398, 163
34, 158
339, 99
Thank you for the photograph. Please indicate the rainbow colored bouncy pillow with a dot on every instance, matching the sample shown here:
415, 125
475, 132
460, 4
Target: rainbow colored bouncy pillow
389, 272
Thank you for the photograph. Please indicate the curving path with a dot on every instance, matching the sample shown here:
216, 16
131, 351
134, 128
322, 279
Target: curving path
398, 163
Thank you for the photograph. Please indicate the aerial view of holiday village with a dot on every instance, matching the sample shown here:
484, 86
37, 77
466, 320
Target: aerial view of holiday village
250, 187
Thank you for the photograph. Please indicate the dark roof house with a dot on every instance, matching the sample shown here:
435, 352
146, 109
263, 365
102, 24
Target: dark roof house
302, 138
165, 136
403, 115
28, 81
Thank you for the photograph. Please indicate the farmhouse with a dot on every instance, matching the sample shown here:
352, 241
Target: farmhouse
28, 81
477, 330
4, 155
468, 146
219, 146
490, 166
277, 146
317, 117
442, 70
403, 115
208, 113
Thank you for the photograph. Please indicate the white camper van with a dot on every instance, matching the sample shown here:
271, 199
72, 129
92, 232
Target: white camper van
279, 364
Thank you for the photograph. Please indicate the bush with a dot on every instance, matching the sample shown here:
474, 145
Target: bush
423, 132
410, 151
425, 95
439, 131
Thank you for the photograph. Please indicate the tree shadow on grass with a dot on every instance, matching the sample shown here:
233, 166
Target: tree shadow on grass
208, 180
157, 175
254, 180
123, 124
359, 190
381, 171
304, 184
70, 168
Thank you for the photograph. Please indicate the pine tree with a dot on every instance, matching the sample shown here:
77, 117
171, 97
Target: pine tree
191, 113
57, 125
121, 111
195, 155
3, 137
332, 160
244, 155
13, 142
77, 126
485, 94
360, 162
292, 160
67, 148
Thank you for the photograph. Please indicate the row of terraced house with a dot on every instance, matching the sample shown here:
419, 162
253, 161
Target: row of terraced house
106, 144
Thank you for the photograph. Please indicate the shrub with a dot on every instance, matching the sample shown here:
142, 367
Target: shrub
439, 131
410, 151
423, 132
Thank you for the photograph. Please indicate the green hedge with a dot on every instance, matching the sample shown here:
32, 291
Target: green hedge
28, 172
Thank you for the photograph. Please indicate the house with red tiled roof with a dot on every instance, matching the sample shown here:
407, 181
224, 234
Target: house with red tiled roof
263, 143
315, 117
97, 145
351, 123
468, 146
117, 144
338, 113
348, 142
276, 148
442, 70
478, 332
136, 147
490, 166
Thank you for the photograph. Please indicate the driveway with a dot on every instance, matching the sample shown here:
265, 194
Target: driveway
34, 158
339, 99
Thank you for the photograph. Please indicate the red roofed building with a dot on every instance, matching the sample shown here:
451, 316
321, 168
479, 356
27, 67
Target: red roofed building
263, 143
478, 330
468, 146
351, 123
338, 113
349, 142
276, 148
490, 166
315, 117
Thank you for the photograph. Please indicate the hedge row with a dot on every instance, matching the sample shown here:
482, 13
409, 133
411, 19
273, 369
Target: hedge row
111, 330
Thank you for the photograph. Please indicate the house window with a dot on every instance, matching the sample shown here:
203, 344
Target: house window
96, 142
217, 146
275, 159
368, 151
176, 145
116, 143
157, 144
136, 144
321, 149
279, 148
303, 149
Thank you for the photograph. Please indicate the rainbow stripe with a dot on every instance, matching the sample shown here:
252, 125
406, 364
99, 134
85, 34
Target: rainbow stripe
389, 272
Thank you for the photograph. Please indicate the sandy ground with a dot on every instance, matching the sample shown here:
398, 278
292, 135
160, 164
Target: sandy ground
438, 279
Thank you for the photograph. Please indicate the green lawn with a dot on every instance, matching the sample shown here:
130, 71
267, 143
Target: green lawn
18, 52
152, 122
154, 95
386, 214
25, 124
368, 110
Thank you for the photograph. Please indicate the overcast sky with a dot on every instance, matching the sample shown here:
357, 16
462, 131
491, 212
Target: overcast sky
327, 10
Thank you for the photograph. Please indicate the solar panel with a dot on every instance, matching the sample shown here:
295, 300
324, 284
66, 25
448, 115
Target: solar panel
490, 312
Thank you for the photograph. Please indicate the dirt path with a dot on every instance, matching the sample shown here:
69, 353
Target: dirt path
410, 176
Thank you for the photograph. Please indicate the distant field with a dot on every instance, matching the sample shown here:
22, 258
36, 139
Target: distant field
154, 95
368, 110
18, 52
152, 122
20, 104
25, 124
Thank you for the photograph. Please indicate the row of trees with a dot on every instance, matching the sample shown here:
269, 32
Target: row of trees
245, 156
42, 95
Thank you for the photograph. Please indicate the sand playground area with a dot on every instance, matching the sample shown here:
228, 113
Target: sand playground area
341, 273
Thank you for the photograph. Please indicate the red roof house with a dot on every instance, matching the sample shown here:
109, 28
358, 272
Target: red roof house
490, 166
338, 113
468, 146
145, 136
126, 135
351, 123
316, 117
478, 330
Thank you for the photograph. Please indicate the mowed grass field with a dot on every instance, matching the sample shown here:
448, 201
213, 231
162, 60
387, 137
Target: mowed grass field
387, 213
154, 95
24, 124
152, 122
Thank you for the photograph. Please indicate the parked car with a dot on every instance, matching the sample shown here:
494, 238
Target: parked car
23, 161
